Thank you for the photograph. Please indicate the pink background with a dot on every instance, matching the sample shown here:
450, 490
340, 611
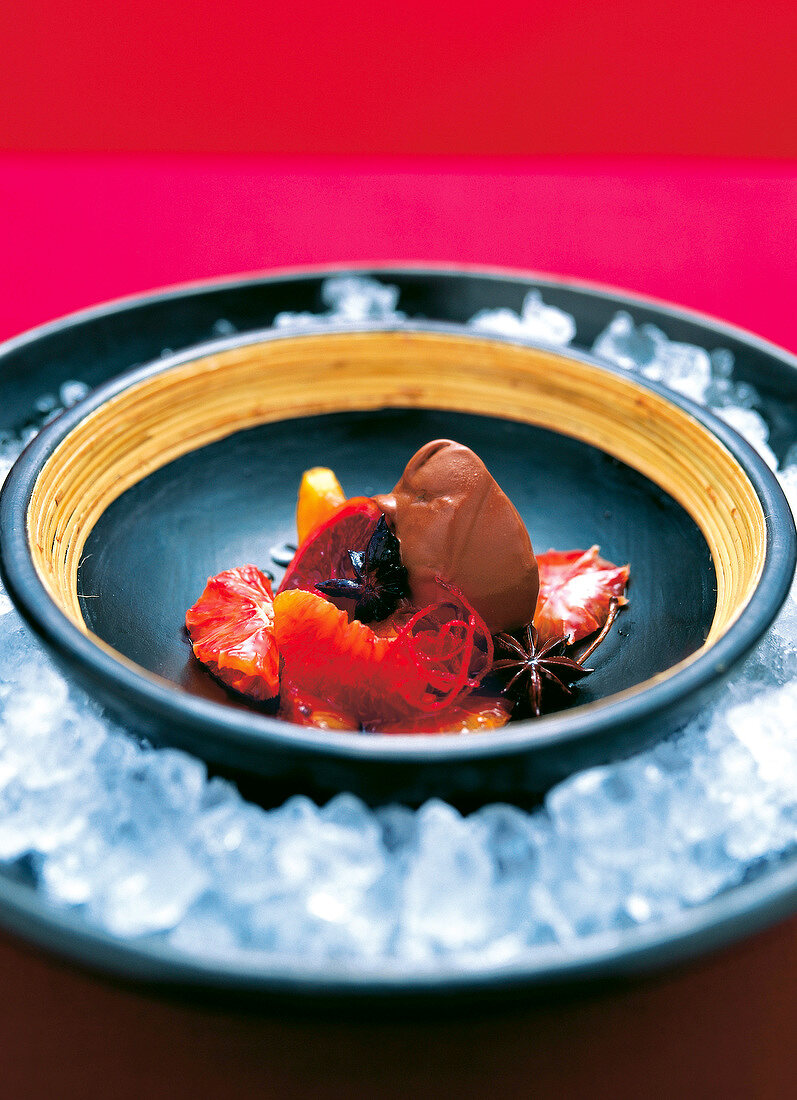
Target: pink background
714, 235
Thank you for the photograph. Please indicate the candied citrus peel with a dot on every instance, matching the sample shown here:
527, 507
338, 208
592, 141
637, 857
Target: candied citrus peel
320, 496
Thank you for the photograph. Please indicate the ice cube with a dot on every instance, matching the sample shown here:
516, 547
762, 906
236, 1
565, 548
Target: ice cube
625, 345
208, 930
536, 321
447, 897
356, 298
752, 427
72, 391
142, 891
351, 299
682, 367
41, 820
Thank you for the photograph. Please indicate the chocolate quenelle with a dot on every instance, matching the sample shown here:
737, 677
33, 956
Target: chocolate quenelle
453, 521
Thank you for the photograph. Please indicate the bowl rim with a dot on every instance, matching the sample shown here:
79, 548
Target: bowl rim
747, 908
250, 730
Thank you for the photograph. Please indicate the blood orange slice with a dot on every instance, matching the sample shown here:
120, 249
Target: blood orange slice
324, 554
304, 709
437, 658
468, 715
576, 590
231, 627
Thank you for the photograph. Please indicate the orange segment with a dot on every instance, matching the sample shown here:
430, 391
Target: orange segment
377, 680
469, 715
343, 662
576, 590
320, 496
326, 656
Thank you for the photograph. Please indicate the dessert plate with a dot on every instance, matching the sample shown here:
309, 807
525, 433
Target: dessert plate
98, 344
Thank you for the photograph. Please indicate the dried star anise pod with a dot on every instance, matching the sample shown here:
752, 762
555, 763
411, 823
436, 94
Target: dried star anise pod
546, 665
541, 666
381, 579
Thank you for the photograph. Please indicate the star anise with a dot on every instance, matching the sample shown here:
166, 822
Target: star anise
547, 665
538, 667
380, 578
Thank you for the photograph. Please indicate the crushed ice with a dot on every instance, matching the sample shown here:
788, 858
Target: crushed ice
702, 376
536, 321
351, 299
141, 842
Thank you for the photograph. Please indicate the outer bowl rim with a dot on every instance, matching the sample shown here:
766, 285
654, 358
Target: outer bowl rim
384, 269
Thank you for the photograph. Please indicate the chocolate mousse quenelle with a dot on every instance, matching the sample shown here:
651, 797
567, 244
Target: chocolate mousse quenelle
455, 523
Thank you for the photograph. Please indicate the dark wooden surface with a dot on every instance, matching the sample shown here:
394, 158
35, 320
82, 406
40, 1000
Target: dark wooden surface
724, 1027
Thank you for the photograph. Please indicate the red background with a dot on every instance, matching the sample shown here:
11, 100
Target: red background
713, 77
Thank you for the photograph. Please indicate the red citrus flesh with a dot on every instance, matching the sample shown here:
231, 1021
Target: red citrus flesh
329, 658
436, 658
576, 590
468, 715
324, 554
303, 709
231, 627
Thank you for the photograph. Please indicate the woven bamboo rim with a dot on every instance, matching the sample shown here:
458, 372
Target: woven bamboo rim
180, 409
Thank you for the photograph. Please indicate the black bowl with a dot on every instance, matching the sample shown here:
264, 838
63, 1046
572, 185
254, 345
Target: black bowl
230, 500
97, 344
